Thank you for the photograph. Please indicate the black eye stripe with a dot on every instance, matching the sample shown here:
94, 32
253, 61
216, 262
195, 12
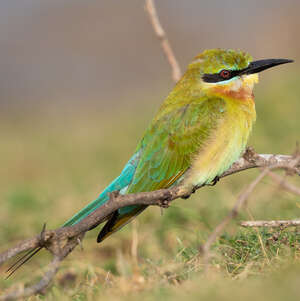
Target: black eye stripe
216, 77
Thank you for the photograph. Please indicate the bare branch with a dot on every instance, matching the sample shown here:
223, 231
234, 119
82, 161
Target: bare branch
281, 181
22, 246
59, 255
53, 239
38, 287
158, 197
269, 162
284, 184
160, 33
278, 223
62, 241
251, 159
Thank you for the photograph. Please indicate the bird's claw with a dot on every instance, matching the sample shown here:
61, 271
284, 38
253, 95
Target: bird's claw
188, 194
214, 181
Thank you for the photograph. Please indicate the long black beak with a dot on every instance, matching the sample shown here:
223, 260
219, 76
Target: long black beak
261, 65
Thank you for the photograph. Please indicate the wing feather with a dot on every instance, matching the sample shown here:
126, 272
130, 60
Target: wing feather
167, 150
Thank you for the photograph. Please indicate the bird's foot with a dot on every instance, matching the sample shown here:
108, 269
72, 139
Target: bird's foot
214, 181
189, 193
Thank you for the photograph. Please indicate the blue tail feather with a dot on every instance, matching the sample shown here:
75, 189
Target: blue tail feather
120, 183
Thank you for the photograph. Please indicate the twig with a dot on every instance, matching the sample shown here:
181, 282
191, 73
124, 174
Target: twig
143, 198
284, 184
38, 287
287, 186
48, 275
160, 33
62, 241
278, 223
274, 162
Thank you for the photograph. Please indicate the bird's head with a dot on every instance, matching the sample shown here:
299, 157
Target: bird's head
230, 73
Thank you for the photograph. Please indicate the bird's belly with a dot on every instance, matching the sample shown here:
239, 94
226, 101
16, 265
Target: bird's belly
221, 150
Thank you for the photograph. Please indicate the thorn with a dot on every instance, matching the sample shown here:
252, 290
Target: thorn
80, 243
42, 235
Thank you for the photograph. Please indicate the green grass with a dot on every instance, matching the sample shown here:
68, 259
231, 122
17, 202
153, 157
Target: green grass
52, 165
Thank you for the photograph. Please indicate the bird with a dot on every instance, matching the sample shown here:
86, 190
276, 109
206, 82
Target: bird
199, 131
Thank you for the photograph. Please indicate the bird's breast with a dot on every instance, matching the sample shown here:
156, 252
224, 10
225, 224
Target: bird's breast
225, 144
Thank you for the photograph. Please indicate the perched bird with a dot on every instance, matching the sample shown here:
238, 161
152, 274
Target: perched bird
201, 128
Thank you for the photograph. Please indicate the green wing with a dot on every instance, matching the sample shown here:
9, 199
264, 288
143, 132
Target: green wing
167, 150
170, 143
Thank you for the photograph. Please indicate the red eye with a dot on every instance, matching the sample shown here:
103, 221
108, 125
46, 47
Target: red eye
225, 74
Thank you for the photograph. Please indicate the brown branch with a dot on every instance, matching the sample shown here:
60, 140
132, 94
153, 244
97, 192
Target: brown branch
38, 287
284, 184
59, 255
160, 33
281, 181
159, 197
62, 241
269, 162
277, 223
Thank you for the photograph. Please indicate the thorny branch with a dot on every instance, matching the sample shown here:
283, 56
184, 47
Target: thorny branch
282, 183
62, 241
291, 167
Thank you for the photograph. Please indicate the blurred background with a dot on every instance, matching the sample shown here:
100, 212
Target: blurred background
80, 81
77, 53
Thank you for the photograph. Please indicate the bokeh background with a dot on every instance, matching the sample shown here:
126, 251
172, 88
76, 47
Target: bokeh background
79, 82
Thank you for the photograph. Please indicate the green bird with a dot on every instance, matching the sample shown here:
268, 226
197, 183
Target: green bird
200, 130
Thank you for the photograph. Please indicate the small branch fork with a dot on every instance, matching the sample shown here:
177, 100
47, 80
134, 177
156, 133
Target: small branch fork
62, 241
290, 166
